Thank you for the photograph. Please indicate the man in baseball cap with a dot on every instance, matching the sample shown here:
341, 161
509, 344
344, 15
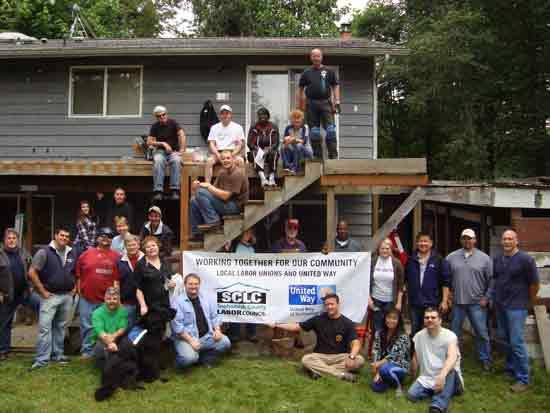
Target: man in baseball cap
471, 274
96, 270
290, 242
154, 226
225, 135
167, 139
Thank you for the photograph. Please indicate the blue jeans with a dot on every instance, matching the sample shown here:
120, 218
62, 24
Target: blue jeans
86, 308
292, 155
52, 319
208, 352
440, 400
207, 209
416, 315
7, 312
477, 316
160, 158
391, 375
510, 329
379, 315
235, 330
132, 315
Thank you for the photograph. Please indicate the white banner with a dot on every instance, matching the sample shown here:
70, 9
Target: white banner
264, 288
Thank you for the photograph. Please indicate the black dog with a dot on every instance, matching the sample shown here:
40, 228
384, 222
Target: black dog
138, 355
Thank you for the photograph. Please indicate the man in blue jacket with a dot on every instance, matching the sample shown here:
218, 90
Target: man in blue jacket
428, 278
197, 328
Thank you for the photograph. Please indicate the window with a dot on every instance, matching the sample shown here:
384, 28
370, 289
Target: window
112, 91
273, 87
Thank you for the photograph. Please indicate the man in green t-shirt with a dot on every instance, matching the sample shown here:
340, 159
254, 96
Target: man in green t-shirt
109, 322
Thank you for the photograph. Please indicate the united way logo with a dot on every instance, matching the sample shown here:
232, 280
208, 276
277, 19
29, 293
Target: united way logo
309, 294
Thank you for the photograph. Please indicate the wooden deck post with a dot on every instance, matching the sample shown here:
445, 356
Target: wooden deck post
417, 220
375, 213
184, 208
331, 219
28, 222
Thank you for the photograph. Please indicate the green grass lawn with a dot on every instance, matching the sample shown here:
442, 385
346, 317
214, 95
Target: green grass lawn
241, 384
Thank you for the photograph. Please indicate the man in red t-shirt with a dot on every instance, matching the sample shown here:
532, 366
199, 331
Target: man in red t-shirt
96, 270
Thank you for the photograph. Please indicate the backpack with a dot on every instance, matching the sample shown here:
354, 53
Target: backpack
208, 117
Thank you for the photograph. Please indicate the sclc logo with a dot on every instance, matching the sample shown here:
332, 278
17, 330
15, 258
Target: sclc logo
242, 297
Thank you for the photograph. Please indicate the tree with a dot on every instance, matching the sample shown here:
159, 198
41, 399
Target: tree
107, 18
474, 107
266, 18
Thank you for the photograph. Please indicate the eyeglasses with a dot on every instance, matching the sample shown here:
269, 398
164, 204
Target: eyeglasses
161, 115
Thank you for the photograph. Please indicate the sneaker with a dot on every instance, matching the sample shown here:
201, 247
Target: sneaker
157, 196
435, 409
61, 360
175, 195
486, 366
208, 227
85, 357
36, 365
519, 387
3, 356
313, 375
352, 378
252, 339
399, 392
272, 180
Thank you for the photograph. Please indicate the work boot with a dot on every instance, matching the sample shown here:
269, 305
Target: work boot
332, 150
317, 150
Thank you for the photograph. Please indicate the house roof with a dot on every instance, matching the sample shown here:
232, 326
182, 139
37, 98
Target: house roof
196, 46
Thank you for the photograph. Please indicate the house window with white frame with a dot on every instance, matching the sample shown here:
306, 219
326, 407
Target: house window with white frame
110, 91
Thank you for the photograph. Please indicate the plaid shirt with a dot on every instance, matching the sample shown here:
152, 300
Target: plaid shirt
85, 233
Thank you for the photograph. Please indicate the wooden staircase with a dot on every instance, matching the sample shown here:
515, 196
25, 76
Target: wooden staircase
254, 211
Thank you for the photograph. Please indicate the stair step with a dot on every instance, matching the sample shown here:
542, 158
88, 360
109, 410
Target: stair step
232, 227
213, 241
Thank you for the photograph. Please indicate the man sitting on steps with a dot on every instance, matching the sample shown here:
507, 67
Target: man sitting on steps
226, 196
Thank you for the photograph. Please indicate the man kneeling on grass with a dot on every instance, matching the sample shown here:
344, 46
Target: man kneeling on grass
109, 322
438, 360
337, 350
197, 328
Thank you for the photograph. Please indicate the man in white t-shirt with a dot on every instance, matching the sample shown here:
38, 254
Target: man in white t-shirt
437, 359
225, 134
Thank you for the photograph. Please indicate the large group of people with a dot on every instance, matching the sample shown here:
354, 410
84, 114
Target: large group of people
118, 276
117, 289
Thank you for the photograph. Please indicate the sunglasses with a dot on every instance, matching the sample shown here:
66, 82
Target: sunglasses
292, 227
162, 115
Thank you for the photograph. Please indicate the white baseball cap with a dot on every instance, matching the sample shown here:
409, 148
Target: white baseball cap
227, 108
468, 233
159, 109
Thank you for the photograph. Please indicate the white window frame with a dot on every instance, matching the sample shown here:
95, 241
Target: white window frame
281, 68
105, 68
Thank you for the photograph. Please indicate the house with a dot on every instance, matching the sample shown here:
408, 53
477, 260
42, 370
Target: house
71, 110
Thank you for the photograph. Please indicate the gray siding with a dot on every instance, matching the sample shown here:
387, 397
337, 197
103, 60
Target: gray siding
34, 120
